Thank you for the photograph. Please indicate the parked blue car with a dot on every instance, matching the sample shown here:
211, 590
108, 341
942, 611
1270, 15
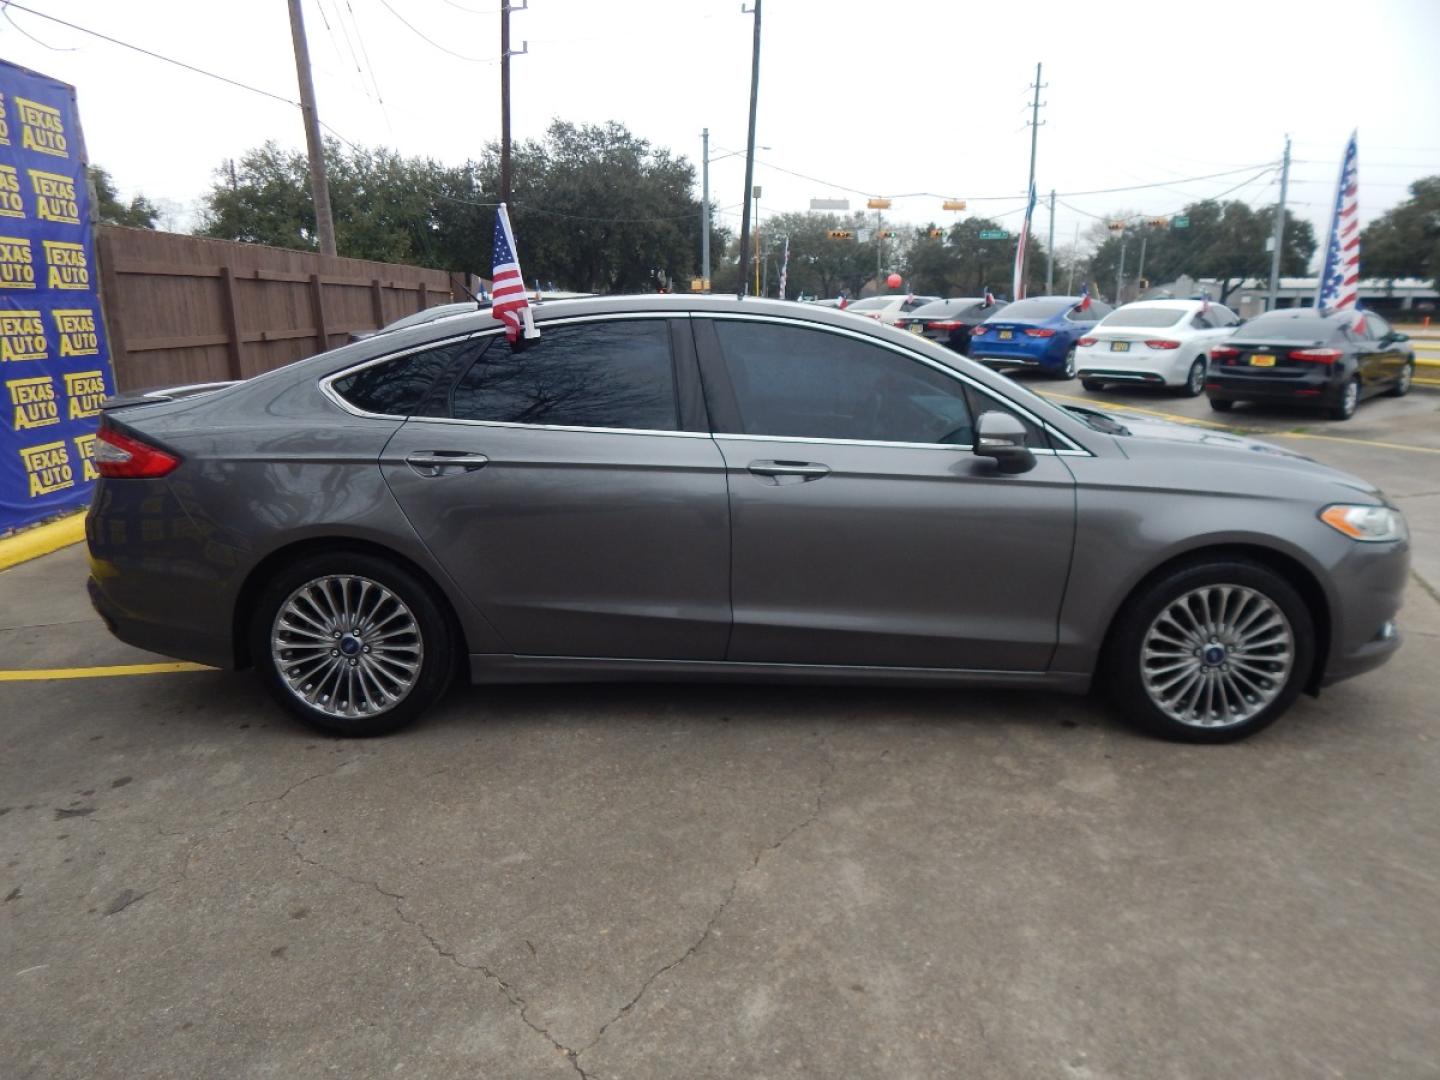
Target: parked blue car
1036, 333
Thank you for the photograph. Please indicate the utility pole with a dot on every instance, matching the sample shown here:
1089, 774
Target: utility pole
1120, 272
879, 249
319, 185
505, 55
1030, 187
1050, 251
756, 191
1140, 271
750, 149
705, 209
1279, 237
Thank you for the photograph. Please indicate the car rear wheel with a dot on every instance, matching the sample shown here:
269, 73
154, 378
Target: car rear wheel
1221, 404
1195, 380
1092, 384
1349, 400
1067, 370
1403, 384
1212, 652
352, 644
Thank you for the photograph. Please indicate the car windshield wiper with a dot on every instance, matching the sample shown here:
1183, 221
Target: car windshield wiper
1100, 421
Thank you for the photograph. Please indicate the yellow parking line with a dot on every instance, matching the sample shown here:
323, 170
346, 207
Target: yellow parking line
48, 674
1344, 439
1127, 407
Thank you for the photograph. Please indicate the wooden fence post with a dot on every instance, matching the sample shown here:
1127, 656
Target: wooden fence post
424, 296
233, 345
111, 308
317, 303
377, 302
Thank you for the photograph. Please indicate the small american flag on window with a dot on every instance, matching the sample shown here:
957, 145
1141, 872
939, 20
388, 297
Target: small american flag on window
507, 287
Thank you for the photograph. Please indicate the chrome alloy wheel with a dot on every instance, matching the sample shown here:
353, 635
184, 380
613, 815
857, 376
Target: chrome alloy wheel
347, 646
1217, 655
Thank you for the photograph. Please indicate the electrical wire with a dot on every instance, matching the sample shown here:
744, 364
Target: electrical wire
4, 10
431, 41
368, 65
155, 55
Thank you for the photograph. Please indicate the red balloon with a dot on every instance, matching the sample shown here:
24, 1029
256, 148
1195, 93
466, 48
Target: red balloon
893, 281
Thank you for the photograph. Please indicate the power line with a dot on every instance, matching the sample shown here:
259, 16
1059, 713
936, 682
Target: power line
431, 41
368, 65
155, 55
4, 10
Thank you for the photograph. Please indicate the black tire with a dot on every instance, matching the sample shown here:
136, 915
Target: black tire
432, 637
1093, 384
1221, 404
1194, 379
1122, 665
1067, 369
1349, 401
1407, 377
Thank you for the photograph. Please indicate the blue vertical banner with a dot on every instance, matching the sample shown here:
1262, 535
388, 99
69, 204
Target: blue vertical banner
54, 360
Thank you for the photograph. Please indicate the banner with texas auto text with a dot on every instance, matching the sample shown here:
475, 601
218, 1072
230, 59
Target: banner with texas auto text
54, 362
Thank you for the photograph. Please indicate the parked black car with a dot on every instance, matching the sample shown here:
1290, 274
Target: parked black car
950, 321
1299, 356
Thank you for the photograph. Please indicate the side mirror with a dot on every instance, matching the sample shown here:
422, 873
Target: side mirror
1399, 336
1000, 436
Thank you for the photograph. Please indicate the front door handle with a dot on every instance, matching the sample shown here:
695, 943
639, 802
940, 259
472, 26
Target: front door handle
435, 462
800, 470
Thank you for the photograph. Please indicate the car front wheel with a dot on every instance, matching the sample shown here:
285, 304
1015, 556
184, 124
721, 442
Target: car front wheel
352, 644
1212, 652
1404, 382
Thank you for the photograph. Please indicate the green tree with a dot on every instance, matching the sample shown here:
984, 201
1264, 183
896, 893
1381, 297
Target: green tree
1405, 240
960, 263
139, 213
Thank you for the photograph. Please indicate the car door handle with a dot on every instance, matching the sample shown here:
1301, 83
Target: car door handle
803, 470
435, 462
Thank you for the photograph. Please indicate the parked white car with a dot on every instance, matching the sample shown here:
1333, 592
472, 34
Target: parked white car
890, 308
1159, 342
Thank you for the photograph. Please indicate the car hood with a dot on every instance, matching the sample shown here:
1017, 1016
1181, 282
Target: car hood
1211, 458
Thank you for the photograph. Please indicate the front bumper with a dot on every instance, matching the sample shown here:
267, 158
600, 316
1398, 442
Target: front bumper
1369, 586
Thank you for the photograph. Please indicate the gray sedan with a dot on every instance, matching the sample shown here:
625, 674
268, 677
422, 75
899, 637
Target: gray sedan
673, 487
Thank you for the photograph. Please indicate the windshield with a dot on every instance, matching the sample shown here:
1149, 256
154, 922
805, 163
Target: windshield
1163, 316
870, 303
1284, 326
1039, 309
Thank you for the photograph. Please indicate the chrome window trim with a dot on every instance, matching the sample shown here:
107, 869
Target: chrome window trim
1070, 449
555, 427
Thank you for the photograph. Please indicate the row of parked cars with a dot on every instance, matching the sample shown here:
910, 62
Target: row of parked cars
1292, 355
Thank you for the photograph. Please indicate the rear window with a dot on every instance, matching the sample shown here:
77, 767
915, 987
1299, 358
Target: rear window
1282, 326
1145, 317
871, 303
397, 387
938, 309
1043, 307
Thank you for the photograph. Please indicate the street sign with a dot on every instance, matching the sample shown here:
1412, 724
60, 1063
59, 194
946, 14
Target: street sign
1180, 222
755, 192
878, 204
840, 234
993, 234
953, 204
829, 204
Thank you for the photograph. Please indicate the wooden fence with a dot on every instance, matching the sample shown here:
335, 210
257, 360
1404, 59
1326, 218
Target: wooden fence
182, 309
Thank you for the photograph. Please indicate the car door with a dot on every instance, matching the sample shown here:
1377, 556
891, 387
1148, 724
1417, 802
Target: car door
864, 531
560, 489
1389, 358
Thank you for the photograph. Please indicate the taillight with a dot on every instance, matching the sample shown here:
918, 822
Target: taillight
1087, 341
123, 457
945, 324
1224, 352
1040, 333
979, 330
1161, 343
1316, 356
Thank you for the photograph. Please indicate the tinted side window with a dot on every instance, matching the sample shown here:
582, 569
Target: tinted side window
610, 374
1201, 321
397, 387
812, 384
1378, 326
1222, 315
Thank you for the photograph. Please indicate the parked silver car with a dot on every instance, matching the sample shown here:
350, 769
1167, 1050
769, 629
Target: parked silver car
685, 487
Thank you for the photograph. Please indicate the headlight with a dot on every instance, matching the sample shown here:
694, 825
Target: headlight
1372, 524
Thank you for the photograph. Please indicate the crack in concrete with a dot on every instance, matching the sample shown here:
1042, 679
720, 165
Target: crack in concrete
826, 773
440, 949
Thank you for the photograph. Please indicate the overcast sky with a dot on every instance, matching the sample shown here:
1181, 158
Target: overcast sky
862, 98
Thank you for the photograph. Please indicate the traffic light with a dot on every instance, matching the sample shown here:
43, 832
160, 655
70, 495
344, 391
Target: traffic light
1116, 226
1158, 222
936, 234
887, 234
878, 204
953, 204
841, 234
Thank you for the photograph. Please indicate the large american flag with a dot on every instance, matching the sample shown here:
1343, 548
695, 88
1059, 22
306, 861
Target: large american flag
1017, 288
784, 268
1340, 280
507, 287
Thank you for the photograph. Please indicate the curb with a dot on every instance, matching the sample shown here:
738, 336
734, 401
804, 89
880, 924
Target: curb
41, 540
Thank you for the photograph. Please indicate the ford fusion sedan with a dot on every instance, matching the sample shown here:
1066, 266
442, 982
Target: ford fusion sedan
1297, 356
951, 321
1042, 332
702, 488
1156, 343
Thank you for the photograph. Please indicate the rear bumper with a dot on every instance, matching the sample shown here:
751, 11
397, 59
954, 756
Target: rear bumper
1155, 367
1003, 355
165, 639
1323, 386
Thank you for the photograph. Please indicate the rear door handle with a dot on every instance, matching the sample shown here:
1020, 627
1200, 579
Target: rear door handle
435, 462
802, 470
